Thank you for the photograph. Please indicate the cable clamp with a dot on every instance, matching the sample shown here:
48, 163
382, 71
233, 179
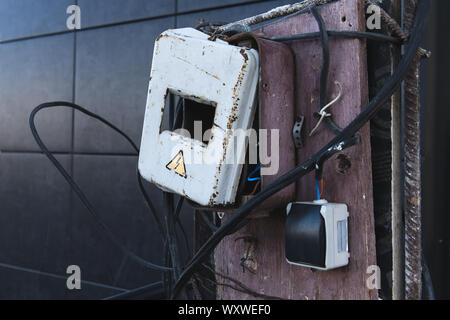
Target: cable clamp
297, 132
322, 113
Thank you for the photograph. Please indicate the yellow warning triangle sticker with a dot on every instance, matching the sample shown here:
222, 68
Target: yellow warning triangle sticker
177, 164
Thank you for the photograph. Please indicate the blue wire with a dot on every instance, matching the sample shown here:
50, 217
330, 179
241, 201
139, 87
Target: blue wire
317, 190
250, 178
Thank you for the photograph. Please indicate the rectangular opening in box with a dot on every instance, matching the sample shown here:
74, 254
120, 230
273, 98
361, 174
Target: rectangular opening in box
193, 115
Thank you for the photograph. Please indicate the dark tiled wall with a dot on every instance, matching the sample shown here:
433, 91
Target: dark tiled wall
436, 153
104, 67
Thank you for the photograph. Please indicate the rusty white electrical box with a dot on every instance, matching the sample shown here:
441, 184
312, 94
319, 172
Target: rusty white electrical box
221, 80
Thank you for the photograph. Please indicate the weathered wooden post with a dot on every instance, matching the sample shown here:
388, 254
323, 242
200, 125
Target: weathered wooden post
347, 175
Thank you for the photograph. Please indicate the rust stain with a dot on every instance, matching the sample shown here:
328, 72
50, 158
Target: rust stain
244, 54
211, 200
233, 117
163, 35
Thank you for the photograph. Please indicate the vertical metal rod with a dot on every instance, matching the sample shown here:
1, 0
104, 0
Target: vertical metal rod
396, 182
413, 197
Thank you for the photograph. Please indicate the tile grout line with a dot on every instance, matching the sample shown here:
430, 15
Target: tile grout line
74, 74
72, 141
176, 14
57, 276
68, 153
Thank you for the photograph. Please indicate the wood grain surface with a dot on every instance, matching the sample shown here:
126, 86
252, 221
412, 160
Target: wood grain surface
347, 175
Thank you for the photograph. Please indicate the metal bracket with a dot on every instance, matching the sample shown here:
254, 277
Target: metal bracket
297, 132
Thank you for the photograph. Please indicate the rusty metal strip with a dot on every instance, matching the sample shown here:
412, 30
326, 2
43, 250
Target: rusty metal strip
398, 251
413, 223
413, 206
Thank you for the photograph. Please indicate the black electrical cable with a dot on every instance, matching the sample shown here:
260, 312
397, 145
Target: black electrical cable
138, 175
209, 27
171, 254
202, 208
345, 144
279, 19
167, 277
180, 225
152, 291
206, 221
178, 207
209, 24
365, 115
75, 186
325, 68
172, 217
344, 34
171, 236
150, 204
